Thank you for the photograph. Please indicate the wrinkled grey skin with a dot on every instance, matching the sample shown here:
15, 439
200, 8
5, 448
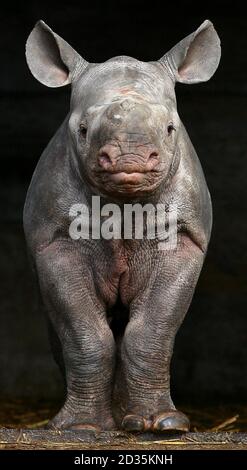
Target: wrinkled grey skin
123, 140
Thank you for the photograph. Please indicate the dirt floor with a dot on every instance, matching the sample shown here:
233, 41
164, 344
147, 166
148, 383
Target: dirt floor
81, 440
218, 428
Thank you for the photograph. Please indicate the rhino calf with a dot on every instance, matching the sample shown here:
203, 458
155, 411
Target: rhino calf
114, 305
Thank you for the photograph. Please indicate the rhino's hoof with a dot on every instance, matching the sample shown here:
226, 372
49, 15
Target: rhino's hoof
134, 423
171, 421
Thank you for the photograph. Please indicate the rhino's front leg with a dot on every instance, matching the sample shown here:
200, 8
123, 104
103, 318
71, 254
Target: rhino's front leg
149, 337
87, 342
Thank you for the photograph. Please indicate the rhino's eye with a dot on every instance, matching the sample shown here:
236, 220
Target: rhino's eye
170, 128
83, 130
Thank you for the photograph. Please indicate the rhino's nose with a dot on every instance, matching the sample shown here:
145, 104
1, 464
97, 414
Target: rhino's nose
146, 158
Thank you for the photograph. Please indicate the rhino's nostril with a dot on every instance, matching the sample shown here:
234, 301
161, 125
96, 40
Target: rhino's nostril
153, 160
104, 159
153, 156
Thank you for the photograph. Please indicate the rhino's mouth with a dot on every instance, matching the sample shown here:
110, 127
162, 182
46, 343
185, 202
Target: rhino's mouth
127, 183
123, 177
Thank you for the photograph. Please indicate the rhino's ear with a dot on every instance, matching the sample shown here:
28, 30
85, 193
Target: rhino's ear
51, 59
196, 57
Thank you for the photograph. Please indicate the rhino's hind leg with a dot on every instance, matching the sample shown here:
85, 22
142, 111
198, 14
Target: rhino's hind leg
88, 346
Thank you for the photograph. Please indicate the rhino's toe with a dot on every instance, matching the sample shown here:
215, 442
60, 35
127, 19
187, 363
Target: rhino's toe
171, 421
134, 423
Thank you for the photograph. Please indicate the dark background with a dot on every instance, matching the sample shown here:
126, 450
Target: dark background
210, 360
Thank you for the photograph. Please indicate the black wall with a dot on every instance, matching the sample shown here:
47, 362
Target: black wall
210, 360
